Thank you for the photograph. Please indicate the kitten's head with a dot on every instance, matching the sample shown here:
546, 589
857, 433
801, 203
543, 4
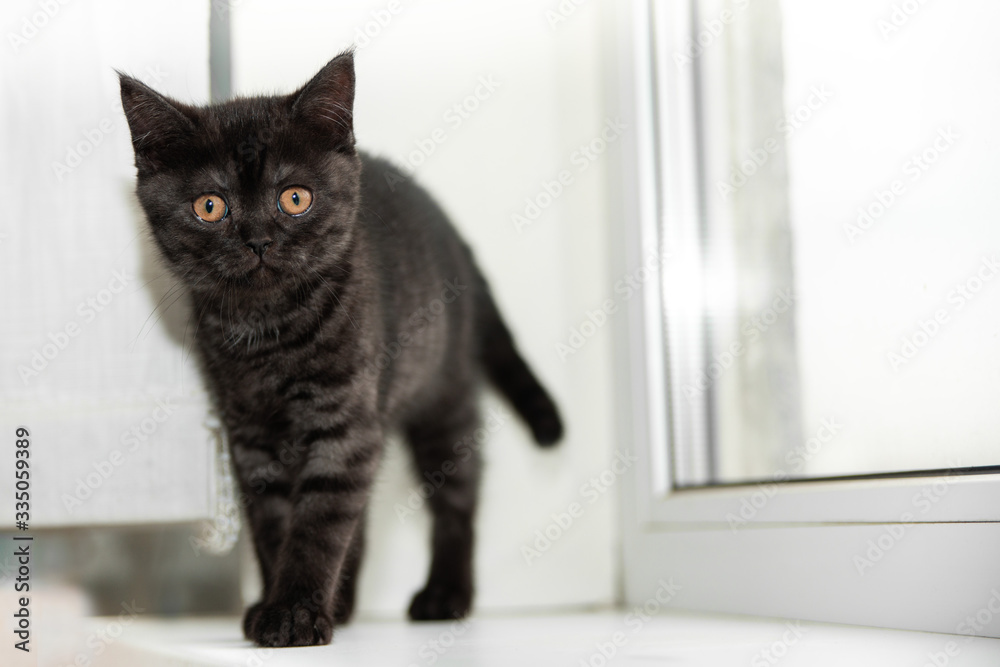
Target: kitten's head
253, 195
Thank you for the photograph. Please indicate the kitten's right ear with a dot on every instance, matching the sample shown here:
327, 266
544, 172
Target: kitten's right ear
159, 125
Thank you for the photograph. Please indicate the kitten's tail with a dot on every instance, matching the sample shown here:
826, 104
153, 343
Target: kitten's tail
511, 374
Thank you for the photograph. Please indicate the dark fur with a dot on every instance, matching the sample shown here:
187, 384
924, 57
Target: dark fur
365, 314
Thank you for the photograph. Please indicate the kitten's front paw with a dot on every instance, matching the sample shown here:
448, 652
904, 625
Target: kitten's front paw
279, 624
250, 617
440, 603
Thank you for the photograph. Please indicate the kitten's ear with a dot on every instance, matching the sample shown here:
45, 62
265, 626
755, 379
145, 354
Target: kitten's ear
159, 126
326, 103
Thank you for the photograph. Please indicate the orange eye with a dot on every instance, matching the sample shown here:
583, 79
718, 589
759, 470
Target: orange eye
295, 200
210, 208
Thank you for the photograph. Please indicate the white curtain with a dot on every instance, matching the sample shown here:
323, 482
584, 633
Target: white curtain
88, 360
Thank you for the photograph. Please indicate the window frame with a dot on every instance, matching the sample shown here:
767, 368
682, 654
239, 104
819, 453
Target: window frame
794, 549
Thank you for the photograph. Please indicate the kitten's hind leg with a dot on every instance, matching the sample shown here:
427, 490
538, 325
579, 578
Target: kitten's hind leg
440, 444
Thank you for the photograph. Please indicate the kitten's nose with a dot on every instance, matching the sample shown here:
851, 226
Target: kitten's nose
259, 246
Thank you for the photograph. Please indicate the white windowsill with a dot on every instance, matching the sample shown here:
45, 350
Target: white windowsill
551, 641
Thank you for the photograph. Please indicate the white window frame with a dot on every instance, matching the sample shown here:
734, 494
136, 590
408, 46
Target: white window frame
788, 550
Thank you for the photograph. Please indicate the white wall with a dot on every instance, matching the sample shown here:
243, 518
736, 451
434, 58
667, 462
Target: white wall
429, 57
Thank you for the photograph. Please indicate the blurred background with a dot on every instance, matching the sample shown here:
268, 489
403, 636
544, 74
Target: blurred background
826, 261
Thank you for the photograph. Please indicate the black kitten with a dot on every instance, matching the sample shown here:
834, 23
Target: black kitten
334, 302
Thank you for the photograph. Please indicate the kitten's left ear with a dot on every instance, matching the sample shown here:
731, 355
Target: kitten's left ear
326, 103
